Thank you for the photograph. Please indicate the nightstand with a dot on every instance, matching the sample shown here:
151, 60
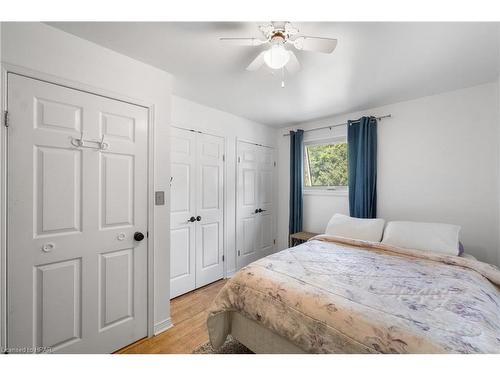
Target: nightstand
300, 237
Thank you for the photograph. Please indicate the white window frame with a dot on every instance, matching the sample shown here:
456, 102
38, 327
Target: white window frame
324, 190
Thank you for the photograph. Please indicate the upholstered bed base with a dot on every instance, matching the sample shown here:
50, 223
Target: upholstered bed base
259, 339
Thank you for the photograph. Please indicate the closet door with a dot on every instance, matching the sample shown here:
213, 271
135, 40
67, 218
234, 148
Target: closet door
247, 191
76, 270
266, 229
209, 209
183, 212
197, 214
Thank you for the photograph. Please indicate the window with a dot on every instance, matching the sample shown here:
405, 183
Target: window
325, 165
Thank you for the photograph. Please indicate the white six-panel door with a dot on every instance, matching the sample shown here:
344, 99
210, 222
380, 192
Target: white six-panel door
210, 209
247, 224
183, 207
266, 229
77, 279
197, 214
255, 229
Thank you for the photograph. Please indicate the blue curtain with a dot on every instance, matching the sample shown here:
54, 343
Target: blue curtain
296, 175
362, 154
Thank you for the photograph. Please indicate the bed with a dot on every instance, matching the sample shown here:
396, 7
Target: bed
337, 295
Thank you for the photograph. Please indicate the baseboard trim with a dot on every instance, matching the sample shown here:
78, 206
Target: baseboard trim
163, 326
230, 274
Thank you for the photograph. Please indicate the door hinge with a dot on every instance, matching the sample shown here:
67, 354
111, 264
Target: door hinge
239, 253
223, 258
6, 119
147, 234
274, 242
239, 160
223, 157
275, 164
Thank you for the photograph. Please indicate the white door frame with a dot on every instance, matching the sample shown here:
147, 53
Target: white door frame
275, 191
14, 69
224, 189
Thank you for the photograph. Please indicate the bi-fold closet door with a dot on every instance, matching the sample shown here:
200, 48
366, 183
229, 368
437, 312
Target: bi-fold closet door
197, 213
255, 227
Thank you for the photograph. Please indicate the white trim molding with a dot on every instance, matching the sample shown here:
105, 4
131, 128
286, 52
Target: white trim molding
163, 326
319, 191
3, 210
7, 68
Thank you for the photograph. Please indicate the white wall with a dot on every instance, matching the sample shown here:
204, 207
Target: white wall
438, 161
498, 138
3, 307
498, 149
48, 50
190, 115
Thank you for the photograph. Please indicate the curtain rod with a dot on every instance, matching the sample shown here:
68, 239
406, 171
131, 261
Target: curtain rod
334, 126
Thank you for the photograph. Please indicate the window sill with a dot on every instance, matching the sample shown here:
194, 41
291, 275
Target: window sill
325, 192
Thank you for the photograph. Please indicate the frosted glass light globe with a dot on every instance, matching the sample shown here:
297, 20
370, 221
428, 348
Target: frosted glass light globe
277, 56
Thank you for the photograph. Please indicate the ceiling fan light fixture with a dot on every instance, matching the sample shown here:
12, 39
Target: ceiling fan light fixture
277, 56
279, 37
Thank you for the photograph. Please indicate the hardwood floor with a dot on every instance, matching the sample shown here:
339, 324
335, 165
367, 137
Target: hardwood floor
189, 317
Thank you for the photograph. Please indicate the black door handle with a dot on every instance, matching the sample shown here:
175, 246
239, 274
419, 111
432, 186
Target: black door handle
138, 236
256, 210
261, 210
192, 219
198, 218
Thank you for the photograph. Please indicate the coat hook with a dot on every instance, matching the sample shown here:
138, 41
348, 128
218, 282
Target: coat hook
78, 142
99, 145
103, 145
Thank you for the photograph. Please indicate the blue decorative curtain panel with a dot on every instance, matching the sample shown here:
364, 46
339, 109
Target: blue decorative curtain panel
362, 154
296, 176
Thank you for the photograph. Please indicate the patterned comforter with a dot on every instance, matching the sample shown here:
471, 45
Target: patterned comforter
335, 295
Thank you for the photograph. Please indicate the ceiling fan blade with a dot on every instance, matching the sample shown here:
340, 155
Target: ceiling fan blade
293, 64
257, 62
315, 44
243, 41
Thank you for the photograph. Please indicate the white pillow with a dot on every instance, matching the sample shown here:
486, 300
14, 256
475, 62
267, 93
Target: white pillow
441, 238
358, 229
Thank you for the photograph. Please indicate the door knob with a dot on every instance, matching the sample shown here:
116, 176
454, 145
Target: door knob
198, 218
138, 236
256, 210
192, 219
48, 247
260, 209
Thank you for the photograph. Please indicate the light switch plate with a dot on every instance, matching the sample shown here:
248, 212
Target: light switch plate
159, 198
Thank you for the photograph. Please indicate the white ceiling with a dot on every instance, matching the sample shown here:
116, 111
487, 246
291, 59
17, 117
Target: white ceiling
374, 64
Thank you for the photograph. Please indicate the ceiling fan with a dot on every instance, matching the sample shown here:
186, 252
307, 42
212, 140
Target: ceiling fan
278, 37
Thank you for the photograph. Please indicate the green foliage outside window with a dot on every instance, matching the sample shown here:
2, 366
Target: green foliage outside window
325, 165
